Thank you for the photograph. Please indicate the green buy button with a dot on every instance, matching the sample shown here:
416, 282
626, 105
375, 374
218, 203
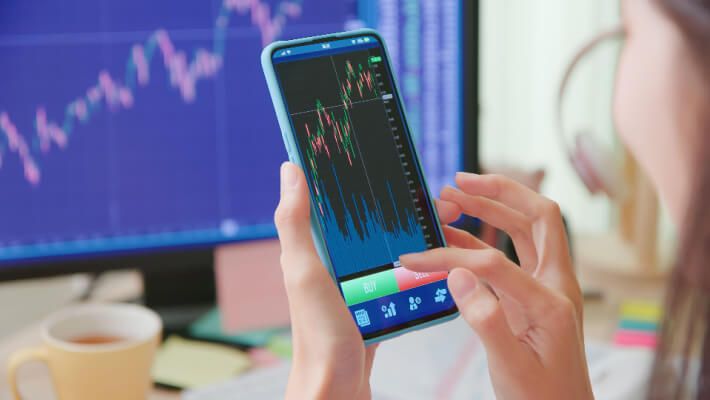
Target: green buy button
369, 287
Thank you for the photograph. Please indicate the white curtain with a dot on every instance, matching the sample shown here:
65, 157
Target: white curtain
525, 46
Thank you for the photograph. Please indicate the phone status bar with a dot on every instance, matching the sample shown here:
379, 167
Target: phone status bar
334, 46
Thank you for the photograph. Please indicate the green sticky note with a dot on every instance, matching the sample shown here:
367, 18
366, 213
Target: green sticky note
633, 325
281, 346
209, 327
189, 364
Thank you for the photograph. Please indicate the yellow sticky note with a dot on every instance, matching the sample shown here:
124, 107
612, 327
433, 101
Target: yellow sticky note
641, 311
188, 364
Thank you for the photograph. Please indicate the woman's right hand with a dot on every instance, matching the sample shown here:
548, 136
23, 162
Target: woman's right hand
529, 318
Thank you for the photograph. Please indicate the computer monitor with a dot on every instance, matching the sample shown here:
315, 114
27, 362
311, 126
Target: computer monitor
141, 134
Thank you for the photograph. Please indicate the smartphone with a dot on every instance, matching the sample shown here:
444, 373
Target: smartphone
343, 121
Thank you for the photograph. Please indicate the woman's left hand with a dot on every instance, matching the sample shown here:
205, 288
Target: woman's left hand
330, 360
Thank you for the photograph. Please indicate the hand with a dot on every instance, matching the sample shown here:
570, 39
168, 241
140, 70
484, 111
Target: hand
529, 318
330, 360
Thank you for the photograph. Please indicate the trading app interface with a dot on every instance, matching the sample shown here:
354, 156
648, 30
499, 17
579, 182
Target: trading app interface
365, 181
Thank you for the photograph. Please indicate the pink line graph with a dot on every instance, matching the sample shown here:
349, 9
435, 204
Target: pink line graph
184, 74
17, 144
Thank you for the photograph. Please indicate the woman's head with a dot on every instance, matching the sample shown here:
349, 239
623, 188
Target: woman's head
661, 91
662, 110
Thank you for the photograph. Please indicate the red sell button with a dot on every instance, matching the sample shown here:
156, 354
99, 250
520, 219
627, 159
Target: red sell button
407, 279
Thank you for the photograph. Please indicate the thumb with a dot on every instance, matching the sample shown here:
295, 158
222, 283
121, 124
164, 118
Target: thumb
292, 216
482, 311
314, 300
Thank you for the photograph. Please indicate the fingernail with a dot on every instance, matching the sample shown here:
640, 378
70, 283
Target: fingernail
448, 189
289, 179
461, 283
466, 174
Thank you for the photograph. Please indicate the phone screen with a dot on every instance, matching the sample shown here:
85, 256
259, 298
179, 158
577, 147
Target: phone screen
366, 184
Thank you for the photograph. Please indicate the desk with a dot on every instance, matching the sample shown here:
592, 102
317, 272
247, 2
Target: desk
600, 324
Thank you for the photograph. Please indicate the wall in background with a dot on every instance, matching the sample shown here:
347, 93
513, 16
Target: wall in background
525, 47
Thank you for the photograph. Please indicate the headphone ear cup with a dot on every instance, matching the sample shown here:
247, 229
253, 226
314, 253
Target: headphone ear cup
597, 167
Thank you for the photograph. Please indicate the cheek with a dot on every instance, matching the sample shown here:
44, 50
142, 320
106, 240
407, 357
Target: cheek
641, 104
624, 98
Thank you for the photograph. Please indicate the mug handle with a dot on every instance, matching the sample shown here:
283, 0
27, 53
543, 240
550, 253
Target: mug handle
17, 359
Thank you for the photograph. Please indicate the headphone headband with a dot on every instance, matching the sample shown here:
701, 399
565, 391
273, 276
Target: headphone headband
591, 162
578, 56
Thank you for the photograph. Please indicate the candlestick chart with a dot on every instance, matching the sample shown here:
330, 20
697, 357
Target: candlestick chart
367, 211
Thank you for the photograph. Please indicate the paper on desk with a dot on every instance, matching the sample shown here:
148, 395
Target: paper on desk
437, 363
260, 384
446, 362
188, 363
443, 362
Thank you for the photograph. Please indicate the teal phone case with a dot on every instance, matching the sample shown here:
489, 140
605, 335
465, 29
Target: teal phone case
293, 154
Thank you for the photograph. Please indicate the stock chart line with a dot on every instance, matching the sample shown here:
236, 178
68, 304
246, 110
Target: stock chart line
183, 74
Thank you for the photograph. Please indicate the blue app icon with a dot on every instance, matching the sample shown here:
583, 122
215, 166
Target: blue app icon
362, 318
390, 310
440, 295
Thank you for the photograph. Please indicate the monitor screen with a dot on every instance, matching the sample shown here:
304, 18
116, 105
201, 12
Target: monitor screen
142, 126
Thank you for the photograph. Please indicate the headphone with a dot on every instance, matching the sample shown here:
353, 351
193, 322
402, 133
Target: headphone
595, 165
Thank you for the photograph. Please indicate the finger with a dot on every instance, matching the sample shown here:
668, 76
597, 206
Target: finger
502, 189
448, 212
490, 265
482, 311
514, 223
292, 215
314, 299
549, 235
462, 239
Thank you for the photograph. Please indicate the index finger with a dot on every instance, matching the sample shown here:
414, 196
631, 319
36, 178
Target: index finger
448, 211
490, 265
507, 191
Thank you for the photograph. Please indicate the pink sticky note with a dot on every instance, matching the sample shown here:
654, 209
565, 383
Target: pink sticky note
250, 288
635, 338
262, 357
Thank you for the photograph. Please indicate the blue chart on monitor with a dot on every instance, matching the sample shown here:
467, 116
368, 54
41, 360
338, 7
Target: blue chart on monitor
144, 124
140, 124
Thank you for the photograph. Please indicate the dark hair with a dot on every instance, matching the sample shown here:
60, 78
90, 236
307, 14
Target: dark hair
685, 332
